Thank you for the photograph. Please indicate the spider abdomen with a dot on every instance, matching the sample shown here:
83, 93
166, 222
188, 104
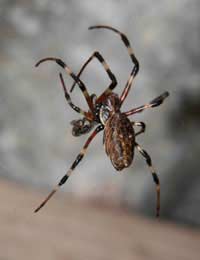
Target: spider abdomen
119, 138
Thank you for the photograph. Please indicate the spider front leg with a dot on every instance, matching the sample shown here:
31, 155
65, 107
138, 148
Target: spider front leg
73, 166
100, 58
70, 73
141, 125
154, 103
154, 175
132, 56
67, 96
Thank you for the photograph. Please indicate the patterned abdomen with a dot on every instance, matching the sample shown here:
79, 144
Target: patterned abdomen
119, 140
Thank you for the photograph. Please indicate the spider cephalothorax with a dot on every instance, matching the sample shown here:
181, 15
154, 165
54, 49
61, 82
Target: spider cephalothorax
109, 107
105, 112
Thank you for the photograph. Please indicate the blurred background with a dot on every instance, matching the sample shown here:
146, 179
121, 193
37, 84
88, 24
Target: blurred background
36, 144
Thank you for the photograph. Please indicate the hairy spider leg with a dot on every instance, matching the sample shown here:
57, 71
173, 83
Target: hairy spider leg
73, 166
154, 175
99, 57
154, 103
133, 59
70, 73
68, 98
141, 125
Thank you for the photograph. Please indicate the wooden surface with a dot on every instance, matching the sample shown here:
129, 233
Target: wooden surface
71, 229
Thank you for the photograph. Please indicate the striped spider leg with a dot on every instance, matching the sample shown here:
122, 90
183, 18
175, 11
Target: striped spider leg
100, 58
82, 126
70, 73
133, 59
154, 103
142, 126
154, 175
73, 166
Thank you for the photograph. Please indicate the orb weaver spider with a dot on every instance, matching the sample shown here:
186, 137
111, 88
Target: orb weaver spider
104, 112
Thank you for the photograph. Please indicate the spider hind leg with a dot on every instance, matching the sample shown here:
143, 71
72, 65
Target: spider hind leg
154, 175
73, 166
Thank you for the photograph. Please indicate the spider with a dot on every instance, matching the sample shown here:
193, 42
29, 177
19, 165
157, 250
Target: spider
105, 113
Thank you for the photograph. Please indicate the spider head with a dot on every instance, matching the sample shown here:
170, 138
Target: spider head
110, 106
81, 126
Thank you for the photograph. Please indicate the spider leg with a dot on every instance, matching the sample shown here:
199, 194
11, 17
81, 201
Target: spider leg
132, 56
67, 96
154, 103
73, 166
70, 73
154, 175
99, 57
141, 125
